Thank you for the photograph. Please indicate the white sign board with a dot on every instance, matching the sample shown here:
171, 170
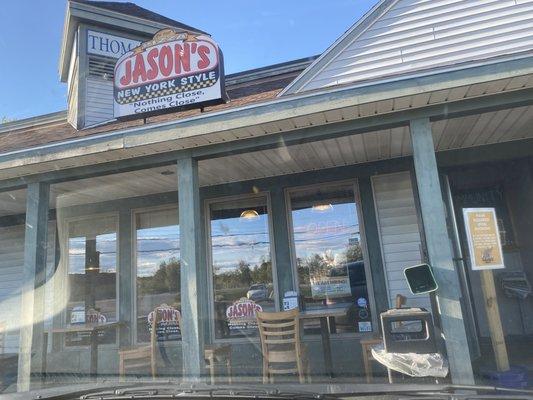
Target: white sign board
483, 237
104, 44
329, 287
174, 70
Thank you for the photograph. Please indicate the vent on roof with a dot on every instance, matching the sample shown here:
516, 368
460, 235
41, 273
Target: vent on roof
101, 67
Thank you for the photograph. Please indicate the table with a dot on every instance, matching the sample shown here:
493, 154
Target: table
93, 329
324, 314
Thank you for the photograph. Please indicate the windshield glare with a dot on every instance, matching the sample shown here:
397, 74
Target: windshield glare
194, 219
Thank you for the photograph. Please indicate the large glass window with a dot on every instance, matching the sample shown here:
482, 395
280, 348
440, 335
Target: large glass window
328, 254
242, 265
92, 276
158, 272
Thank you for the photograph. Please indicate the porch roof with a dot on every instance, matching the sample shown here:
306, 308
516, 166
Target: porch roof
332, 111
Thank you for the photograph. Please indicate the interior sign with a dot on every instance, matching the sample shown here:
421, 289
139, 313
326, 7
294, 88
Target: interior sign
104, 44
483, 238
172, 71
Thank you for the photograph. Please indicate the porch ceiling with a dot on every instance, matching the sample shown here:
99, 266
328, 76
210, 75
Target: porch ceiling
455, 133
449, 134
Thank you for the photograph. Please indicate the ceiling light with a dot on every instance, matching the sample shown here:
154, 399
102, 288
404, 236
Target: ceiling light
249, 214
322, 207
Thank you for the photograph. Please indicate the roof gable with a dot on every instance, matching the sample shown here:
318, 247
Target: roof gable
125, 17
134, 10
405, 37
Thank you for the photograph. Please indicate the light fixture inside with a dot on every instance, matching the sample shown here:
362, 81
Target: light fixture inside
249, 214
322, 207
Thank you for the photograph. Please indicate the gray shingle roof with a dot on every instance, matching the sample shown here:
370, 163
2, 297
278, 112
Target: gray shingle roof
136, 11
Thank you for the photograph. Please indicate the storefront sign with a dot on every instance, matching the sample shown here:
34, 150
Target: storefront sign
242, 314
94, 317
330, 287
104, 44
172, 71
168, 327
91, 316
483, 238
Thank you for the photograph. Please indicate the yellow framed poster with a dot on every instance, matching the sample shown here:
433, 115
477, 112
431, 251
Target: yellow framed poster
483, 237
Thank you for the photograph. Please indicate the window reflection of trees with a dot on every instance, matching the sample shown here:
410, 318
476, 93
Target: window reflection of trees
240, 257
158, 265
329, 256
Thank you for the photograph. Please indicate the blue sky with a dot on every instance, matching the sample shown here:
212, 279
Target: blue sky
251, 34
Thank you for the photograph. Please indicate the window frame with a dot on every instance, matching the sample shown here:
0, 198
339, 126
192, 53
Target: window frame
133, 215
209, 262
354, 183
63, 235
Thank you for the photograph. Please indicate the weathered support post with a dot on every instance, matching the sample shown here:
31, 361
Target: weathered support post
125, 277
193, 293
33, 287
281, 243
440, 252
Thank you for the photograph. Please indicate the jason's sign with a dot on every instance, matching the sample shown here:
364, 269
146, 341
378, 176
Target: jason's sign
174, 70
167, 327
241, 314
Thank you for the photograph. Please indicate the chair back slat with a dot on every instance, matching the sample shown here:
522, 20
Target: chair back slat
280, 333
278, 324
286, 356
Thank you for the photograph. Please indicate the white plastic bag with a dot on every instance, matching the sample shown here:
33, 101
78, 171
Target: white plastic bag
412, 364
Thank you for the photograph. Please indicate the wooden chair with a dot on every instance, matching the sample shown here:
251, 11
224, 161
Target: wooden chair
216, 356
142, 357
281, 345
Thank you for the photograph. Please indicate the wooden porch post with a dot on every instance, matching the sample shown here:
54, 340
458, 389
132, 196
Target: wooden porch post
193, 293
280, 228
126, 278
33, 287
440, 253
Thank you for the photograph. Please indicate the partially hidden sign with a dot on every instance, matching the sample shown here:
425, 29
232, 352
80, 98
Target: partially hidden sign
171, 71
483, 238
168, 325
242, 314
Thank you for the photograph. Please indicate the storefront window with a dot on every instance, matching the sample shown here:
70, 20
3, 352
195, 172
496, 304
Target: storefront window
242, 265
92, 276
328, 255
158, 272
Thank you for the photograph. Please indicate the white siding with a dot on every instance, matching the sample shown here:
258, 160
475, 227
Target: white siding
416, 35
399, 233
72, 115
98, 101
11, 276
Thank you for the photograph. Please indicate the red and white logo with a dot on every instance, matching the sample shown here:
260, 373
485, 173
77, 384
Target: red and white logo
243, 310
166, 314
182, 55
171, 70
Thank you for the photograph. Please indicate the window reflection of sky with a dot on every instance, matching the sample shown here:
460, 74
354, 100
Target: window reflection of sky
327, 231
106, 244
236, 239
155, 245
